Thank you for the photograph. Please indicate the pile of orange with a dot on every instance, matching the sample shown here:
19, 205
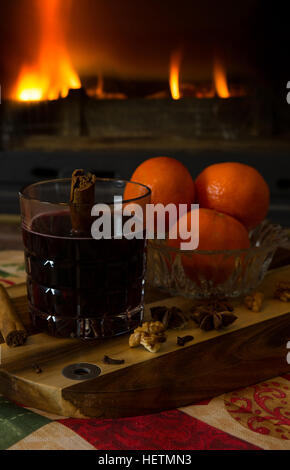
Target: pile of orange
169, 180
233, 199
235, 189
217, 232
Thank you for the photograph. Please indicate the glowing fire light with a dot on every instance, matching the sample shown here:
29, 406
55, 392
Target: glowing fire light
99, 92
52, 75
220, 80
175, 63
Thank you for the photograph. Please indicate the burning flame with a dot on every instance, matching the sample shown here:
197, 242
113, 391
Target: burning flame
220, 80
52, 75
175, 64
99, 92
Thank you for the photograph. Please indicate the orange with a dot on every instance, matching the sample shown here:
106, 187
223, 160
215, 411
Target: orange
217, 231
168, 179
235, 189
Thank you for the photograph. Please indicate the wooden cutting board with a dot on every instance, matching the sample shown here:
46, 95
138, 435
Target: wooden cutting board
253, 349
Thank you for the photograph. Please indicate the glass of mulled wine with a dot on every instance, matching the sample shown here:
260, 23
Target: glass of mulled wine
79, 286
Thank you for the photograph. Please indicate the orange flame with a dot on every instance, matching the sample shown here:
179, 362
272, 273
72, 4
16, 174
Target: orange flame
97, 91
220, 80
52, 75
175, 64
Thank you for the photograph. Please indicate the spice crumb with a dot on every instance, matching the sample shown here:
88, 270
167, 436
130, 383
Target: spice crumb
37, 369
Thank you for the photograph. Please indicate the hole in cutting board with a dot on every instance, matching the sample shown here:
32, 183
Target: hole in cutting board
81, 371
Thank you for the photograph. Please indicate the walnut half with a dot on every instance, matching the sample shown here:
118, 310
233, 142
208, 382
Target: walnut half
254, 301
282, 291
150, 335
151, 343
134, 340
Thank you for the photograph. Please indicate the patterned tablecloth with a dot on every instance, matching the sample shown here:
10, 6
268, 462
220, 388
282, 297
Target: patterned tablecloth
256, 417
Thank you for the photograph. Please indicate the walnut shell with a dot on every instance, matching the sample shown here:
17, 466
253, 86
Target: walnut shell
254, 301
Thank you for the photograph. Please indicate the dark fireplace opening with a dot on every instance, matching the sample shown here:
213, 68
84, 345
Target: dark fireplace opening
106, 71
105, 84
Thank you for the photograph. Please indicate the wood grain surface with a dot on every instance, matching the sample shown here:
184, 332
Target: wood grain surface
249, 351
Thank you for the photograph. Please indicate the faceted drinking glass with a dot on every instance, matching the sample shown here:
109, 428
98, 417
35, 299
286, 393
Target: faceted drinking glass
78, 286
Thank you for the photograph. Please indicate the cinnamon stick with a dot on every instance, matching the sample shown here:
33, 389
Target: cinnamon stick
82, 199
11, 326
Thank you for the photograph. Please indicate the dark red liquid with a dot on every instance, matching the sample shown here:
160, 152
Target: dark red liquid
81, 287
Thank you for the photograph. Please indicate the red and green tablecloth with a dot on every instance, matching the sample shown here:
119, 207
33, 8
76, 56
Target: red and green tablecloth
257, 417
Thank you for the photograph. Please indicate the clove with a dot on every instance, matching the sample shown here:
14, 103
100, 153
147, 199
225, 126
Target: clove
109, 360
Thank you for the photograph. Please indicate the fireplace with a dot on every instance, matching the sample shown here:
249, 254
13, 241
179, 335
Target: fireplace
105, 84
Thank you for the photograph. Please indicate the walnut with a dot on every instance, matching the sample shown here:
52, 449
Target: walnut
254, 301
144, 328
150, 335
282, 291
134, 340
156, 328
151, 343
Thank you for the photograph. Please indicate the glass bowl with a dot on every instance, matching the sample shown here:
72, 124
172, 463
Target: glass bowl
204, 274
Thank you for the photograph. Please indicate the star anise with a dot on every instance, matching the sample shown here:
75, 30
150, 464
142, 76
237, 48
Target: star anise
170, 317
214, 314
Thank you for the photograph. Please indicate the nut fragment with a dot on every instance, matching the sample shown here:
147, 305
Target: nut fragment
151, 343
254, 301
156, 328
134, 340
150, 335
282, 291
